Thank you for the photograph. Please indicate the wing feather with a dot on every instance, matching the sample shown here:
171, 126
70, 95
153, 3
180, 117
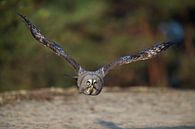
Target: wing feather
57, 49
142, 55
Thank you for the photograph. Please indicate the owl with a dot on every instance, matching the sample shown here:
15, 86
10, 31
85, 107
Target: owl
91, 82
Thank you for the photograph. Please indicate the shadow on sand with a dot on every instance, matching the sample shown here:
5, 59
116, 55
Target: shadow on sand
111, 125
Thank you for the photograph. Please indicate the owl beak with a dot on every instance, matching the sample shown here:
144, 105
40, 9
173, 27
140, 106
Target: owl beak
90, 90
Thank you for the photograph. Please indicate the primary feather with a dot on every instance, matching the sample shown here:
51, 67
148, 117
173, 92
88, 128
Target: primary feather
142, 55
57, 49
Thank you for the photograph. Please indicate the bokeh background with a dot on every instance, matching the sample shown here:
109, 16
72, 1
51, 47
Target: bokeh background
96, 32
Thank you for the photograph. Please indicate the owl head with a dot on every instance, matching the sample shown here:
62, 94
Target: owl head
90, 83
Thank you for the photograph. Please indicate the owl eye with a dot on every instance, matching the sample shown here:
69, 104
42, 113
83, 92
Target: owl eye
88, 82
94, 82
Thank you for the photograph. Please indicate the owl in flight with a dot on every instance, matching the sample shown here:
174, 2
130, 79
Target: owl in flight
91, 82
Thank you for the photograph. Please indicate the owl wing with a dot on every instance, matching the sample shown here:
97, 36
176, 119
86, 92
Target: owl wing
57, 49
142, 55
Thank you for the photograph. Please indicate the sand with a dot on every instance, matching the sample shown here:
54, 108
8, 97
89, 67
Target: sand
114, 108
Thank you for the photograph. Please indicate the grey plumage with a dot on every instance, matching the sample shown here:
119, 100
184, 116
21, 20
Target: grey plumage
57, 49
142, 55
91, 82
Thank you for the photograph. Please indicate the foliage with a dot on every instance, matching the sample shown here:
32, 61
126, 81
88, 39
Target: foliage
94, 32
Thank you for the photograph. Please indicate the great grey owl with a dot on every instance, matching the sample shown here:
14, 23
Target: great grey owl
91, 82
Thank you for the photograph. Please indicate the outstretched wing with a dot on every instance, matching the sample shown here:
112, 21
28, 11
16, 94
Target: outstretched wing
142, 55
50, 44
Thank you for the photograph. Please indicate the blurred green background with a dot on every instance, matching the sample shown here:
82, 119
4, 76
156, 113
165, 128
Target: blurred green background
96, 32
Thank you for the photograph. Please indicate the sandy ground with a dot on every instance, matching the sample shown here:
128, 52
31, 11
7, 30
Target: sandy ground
133, 108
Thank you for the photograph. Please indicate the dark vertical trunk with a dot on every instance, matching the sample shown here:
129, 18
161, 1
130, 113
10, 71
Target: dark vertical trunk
156, 67
188, 40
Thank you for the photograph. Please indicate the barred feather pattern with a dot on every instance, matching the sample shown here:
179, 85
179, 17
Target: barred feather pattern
142, 55
57, 49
